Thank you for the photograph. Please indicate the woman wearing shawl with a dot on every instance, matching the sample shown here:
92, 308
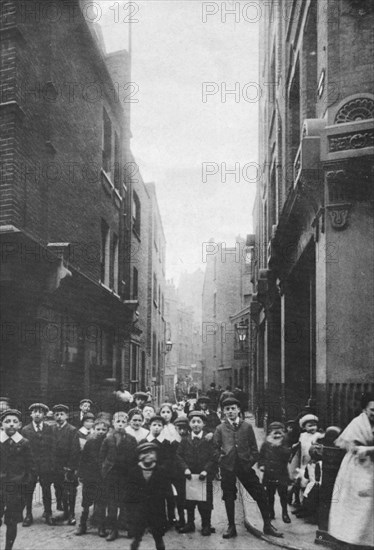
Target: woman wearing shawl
352, 506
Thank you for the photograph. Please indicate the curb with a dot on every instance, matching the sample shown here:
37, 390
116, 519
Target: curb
281, 543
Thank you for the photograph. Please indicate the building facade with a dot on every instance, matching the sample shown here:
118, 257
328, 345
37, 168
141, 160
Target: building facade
67, 213
313, 309
223, 297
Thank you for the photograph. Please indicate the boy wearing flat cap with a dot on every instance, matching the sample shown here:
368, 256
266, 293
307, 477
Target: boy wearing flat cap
17, 468
146, 490
195, 455
236, 452
86, 428
66, 462
140, 399
43, 447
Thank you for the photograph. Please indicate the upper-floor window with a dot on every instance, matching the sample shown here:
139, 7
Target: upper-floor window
105, 253
114, 263
117, 161
135, 284
136, 212
107, 143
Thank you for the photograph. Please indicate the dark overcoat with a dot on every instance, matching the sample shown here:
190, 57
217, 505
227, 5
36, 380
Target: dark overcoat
43, 447
67, 447
145, 500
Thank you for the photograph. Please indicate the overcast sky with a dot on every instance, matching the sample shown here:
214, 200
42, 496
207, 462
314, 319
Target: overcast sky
176, 133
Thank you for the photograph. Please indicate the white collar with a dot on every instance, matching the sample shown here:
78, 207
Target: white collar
234, 422
197, 436
62, 426
159, 438
39, 425
83, 430
16, 437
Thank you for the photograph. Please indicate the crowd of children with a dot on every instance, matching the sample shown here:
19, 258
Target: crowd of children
136, 467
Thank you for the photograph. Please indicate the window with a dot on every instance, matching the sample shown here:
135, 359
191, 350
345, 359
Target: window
114, 266
155, 288
154, 354
117, 161
135, 283
107, 143
134, 367
294, 114
136, 213
105, 253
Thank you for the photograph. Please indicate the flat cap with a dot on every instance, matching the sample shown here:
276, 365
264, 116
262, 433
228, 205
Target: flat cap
203, 399
147, 446
141, 394
11, 412
230, 401
200, 414
61, 408
276, 426
40, 406
181, 420
307, 418
86, 401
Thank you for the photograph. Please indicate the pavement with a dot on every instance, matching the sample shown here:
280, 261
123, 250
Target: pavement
40, 536
299, 535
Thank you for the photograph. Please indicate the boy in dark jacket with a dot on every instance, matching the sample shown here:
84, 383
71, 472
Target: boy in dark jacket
117, 457
195, 455
236, 451
16, 472
273, 461
93, 490
146, 490
43, 448
66, 462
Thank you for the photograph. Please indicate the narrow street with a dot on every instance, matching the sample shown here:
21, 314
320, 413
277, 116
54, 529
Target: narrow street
39, 536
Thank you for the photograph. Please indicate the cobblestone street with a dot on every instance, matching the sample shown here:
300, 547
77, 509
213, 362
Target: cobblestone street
62, 537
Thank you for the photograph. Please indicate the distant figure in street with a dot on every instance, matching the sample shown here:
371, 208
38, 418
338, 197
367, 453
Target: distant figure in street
43, 447
242, 397
148, 412
214, 396
4, 404
352, 509
123, 397
140, 399
85, 406
236, 453
211, 417
17, 469
66, 462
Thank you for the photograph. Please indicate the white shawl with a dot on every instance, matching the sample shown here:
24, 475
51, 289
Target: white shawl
352, 505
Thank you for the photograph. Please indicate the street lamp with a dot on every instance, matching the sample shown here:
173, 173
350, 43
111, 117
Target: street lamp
242, 329
168, 345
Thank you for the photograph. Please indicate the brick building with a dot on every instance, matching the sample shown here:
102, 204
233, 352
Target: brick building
223, 297
313, 309
67, 212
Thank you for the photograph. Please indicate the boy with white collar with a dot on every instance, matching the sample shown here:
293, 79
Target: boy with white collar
195, 455
16, 471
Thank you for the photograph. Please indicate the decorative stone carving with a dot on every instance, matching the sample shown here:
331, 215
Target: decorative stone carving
339, 214
352, 140
360, 108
